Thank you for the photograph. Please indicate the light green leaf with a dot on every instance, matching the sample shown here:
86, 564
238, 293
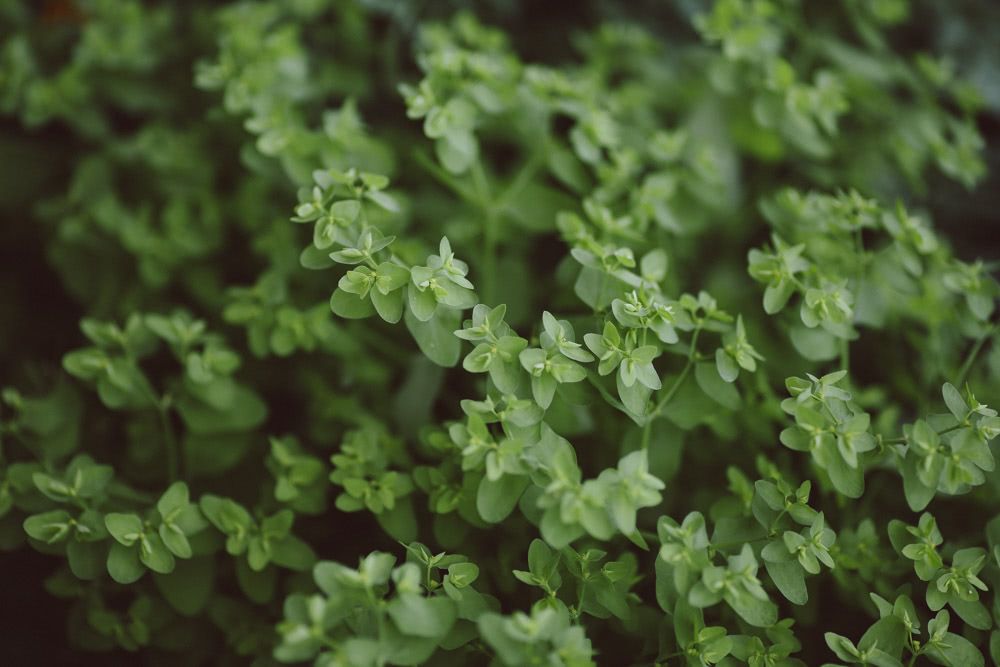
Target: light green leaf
422, 617
350, 306
722, 392
435, 337
496, 500
123, 564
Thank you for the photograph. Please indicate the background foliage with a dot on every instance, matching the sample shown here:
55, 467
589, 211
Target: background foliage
627, 333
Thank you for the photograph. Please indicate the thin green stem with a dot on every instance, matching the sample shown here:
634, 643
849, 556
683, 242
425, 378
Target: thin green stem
127, 493
170, 446
777, 519
901, 440
829, 412
523, 177
717, 546
673, 389
645, 434
692, 354
650, 535
970, 358
611, 400
951, 428
490, 222
579, 603
384, 345
845, 355
169, 440
446, 179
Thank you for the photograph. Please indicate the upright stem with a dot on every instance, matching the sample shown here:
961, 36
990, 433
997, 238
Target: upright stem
169, 439
902, 439
523, 177
490, 221
611, 400
973, 353
446, 179
774, 524
579, 603
692, 351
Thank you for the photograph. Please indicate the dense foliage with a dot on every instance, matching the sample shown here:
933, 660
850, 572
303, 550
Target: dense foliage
388, 333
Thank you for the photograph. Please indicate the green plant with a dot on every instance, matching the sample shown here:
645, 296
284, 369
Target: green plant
660, 337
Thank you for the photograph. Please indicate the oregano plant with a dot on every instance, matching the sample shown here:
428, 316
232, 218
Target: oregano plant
355, 333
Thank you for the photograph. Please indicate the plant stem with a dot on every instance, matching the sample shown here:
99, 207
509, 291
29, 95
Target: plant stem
490, 222
973, 353
127, 493
902, 439
614, 402
845, 355
169, 440
446, 179
579, 604
692, 353
523, 177
645, 434
777, 519
383, 345
716, 546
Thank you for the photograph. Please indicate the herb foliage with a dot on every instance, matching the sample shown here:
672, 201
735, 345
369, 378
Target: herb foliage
652, 355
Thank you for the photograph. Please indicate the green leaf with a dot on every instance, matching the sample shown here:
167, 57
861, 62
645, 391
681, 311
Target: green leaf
543, 389
175, 540
422, 617
955, 650
123, 564
556, 532
389, 306
953, 399
715, 387
49, 527
257, 585
727, 367
888, 634
457, 151
849, 481
350, 306
190, 586
292, 553
635, 397
495, 500
315, 259
776, 296
435, 337
400, 522
126, 528
972, 612
756, 612
789, 577
155, 555
814, 344
86, 559
842, 647
918, 495
174, 499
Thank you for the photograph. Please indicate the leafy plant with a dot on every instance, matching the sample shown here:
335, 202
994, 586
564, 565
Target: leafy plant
655, 331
